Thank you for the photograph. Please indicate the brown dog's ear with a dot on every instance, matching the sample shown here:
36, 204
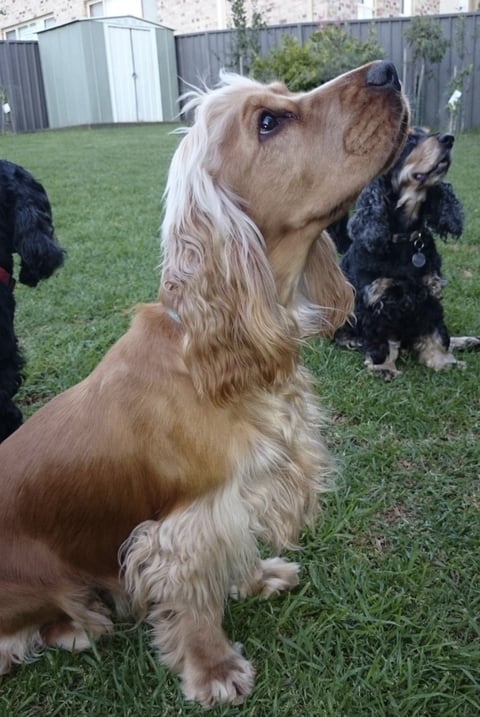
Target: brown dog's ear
326, 297
217, 278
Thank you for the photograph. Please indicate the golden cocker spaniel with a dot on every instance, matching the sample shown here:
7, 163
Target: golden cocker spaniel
198, 433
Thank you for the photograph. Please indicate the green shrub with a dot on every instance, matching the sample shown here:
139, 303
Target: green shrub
325, 55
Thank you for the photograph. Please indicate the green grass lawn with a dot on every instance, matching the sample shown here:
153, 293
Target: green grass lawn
386, 620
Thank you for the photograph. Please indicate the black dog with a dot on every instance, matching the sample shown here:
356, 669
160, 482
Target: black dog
25, 229
393, 263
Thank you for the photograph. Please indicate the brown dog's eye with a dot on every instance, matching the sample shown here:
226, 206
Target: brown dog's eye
268, 123
418, 177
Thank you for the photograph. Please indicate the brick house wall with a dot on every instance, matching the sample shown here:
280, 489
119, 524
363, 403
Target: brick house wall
197, 15
18, 13
186, 16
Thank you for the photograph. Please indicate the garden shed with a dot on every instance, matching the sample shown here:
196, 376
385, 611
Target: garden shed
107, 70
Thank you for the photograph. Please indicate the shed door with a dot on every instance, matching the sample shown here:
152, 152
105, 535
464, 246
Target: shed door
133, 74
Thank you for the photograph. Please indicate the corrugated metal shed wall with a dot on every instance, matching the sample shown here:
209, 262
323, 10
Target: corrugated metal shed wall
75, 72
200, 57
22, 81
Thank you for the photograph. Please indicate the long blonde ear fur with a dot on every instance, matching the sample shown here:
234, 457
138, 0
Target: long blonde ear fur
217, 278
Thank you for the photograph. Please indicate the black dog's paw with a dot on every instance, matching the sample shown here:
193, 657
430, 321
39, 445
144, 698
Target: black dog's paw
460, 343
353, 344
385, 371
387, 374
347, 337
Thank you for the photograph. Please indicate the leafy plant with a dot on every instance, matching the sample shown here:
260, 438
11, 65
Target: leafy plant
327, 53
460, 78
246, 38
425, 37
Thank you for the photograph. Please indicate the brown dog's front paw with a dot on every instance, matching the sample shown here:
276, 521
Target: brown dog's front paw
225, 682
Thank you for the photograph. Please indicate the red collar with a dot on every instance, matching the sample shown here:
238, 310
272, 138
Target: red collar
6, 279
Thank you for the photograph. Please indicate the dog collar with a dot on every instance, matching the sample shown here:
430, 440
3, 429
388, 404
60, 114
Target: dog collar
418, 258
414, 236
6, 279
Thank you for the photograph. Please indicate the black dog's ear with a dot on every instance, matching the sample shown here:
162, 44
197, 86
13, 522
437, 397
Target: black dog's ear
40, 256
369, 221
34, 239
444, 212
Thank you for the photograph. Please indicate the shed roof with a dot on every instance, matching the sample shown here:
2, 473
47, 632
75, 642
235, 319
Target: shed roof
135, 20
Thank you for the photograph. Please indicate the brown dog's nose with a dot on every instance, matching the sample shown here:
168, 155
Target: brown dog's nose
383, 74
447, 140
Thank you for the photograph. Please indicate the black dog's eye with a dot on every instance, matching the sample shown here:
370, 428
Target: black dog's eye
268, 123
418, 177
443, 165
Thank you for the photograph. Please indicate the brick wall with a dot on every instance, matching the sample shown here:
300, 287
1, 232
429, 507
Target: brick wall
196, 15
186, 16
16, 13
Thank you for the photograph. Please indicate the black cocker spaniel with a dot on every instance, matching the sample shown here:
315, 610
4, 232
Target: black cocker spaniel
393, 263
25, 229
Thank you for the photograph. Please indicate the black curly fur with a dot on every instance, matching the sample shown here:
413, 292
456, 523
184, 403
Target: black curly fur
397, 303
26, 229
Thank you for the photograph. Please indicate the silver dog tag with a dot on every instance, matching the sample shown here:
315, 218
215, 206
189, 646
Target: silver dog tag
418, 259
